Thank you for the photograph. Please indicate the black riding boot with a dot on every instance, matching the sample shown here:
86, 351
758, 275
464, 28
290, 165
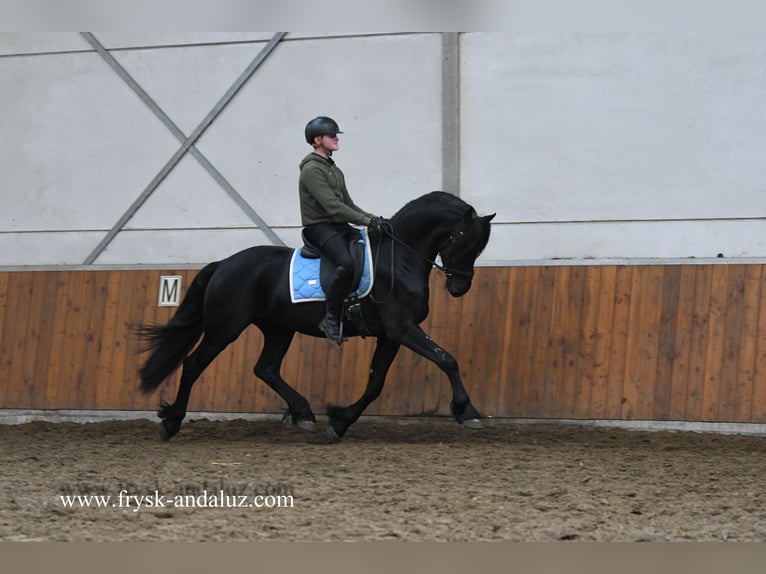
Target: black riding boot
332, 323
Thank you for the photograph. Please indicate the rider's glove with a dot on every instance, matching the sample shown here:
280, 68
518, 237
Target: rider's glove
379, 224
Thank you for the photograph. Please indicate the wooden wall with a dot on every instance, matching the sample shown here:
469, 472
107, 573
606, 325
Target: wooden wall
661, 342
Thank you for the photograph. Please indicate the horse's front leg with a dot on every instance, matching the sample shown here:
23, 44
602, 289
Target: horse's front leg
464, 412
340, 418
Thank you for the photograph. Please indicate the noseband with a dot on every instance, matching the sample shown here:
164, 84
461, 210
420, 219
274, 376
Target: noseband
446, 270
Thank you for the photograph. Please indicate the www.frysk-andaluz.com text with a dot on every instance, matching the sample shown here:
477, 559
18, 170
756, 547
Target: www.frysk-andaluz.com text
218, 495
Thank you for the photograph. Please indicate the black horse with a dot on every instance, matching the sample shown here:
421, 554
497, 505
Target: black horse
252, 286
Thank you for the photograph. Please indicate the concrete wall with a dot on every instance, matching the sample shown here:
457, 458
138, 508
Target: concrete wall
587, 146
81, 146
617, 146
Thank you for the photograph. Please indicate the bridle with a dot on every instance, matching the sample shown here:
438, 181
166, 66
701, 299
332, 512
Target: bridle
387, 229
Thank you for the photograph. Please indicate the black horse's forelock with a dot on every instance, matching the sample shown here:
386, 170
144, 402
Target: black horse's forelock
468, 244
476, 229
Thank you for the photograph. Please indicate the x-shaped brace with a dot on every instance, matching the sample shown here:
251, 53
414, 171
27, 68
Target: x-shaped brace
187, 143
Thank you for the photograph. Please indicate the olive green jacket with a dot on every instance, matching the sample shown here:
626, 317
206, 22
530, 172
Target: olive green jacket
323, 194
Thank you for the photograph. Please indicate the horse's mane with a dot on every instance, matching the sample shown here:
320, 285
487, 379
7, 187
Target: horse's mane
437, 209
436, 201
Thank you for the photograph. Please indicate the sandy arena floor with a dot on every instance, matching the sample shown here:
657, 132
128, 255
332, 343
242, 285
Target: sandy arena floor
426, 479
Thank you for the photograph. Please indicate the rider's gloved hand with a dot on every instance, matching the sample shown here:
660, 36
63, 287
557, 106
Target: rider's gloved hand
379, 224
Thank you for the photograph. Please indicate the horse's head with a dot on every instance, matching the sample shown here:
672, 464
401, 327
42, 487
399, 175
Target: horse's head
461, 250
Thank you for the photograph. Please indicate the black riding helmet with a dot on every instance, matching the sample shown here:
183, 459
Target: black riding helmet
321, 126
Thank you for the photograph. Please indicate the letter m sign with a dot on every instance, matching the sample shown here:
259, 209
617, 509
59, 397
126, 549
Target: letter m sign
170, 290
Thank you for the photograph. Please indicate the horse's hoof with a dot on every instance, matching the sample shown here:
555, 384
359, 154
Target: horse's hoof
308, 426
332, 435
304, 425
169, 429
473, 424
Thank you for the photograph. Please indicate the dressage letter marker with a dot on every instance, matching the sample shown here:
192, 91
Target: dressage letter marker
170, 289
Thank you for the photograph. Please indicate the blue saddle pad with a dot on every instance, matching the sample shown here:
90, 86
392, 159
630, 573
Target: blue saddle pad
304, 276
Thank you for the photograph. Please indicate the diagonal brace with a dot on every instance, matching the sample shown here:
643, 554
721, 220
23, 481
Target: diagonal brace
187, 143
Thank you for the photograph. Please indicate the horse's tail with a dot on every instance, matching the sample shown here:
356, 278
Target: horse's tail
171, 343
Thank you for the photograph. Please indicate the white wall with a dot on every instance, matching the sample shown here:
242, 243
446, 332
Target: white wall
587, 145
617, 146
80, 146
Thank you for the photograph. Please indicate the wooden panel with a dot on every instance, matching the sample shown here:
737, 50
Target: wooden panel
666, 343
648, 344
555, 400
109, 332
748, 337
601, 351
678, 346
733, 325
12, 349
700, 319
527, 353
56, 334
715, 343
507, 379
622, 302
41, 334
587, 337
539, 382
758, 401
675, 342
124, 382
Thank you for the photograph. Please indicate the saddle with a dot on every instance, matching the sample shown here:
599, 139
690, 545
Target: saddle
311, 275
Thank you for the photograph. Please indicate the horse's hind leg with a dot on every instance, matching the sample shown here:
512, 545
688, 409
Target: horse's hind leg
173, 414
277, 341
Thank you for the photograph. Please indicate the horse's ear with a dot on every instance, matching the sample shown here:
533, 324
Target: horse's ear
489, 218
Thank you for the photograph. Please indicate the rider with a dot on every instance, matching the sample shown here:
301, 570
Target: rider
327, 211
